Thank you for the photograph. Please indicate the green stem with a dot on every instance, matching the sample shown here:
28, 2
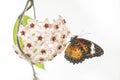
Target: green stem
34, 9
34, 73
32, 4
18, 42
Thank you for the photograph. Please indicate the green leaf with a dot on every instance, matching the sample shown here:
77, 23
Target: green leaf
24, 23
25, 19
15, 32
35, 50
33, 34
40, 65
21, 42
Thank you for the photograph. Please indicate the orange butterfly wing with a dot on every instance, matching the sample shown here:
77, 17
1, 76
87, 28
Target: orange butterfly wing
79, 49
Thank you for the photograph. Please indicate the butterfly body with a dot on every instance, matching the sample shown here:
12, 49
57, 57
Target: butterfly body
80, 49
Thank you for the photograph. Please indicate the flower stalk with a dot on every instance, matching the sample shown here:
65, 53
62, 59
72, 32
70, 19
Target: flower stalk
27, 7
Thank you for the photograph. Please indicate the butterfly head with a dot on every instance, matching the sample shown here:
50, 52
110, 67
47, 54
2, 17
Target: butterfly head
73, 40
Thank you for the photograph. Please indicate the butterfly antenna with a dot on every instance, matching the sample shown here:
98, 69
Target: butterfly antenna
85, 34
82, 33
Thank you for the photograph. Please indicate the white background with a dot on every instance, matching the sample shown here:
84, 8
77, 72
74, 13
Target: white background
101, 18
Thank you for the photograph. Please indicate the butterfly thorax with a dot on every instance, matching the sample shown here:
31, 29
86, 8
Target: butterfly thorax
74, 41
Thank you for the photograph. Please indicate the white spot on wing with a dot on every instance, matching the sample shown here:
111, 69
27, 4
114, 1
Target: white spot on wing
92, 49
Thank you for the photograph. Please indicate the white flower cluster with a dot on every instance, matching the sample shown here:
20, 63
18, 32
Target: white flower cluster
42, 41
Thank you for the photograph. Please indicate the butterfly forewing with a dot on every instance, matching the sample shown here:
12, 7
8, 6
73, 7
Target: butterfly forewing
91, 48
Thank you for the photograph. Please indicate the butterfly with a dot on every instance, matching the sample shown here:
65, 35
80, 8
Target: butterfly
80, 49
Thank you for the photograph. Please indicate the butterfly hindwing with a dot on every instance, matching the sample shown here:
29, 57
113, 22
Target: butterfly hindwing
74, 54
80, 49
